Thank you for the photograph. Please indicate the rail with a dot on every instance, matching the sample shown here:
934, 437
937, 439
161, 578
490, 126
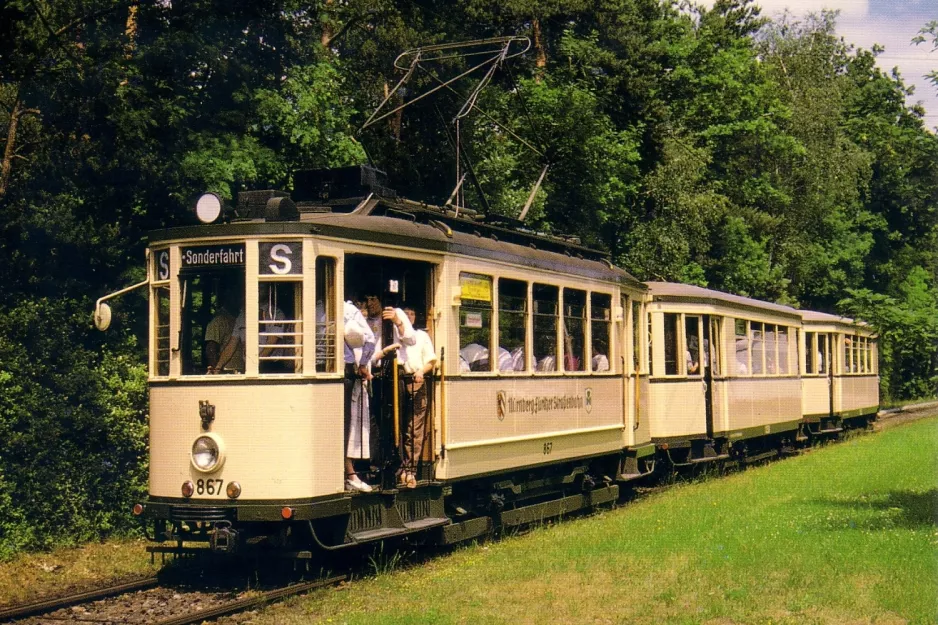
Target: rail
57, 603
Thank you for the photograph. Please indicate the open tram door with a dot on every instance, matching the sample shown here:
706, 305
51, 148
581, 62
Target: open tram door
400, 436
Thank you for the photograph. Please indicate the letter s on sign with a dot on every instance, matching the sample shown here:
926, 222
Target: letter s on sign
277, 256
164, 265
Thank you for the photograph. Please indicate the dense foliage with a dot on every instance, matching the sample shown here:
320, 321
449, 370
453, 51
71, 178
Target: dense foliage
708, 146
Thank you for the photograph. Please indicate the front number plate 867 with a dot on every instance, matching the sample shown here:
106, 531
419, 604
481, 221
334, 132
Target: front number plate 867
209, 487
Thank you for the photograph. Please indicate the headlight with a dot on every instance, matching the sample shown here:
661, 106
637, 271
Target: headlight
207, 453
208, 208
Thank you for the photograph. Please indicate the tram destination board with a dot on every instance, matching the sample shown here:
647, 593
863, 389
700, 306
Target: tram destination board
212, 256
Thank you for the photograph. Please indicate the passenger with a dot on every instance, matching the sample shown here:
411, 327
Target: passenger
218, 331
549, 361
505, 362
403, 331
359, 347
518, 358
419, 361
742, 355
475, 356
267, 332
692, 355
600, 362
402, 334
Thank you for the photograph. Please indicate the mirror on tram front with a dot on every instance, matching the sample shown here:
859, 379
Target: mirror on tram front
102, 316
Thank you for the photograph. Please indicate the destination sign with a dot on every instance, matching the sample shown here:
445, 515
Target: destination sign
210, 256
281, 259
161, 264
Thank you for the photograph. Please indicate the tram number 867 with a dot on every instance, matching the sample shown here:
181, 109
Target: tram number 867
208, 487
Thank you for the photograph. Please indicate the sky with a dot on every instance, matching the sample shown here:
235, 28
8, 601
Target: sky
890, 23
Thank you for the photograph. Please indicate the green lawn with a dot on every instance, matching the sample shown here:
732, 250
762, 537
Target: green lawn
845, 534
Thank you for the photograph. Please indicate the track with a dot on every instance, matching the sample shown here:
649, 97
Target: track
146, 601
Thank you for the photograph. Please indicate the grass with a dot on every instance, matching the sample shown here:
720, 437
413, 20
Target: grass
897, 403
846, 534
33, 576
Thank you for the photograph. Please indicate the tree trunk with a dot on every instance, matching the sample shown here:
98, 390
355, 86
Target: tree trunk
6, 169
540, 54
396, 119
328, 27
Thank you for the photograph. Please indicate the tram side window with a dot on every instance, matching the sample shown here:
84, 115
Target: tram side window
670, 344
811, 353
325, 314
574, 330
161, 331
716, 346
771, 346
211, 301
756, 337
862, 354
512, 325
692, 344
546, 299
600, 328
783, 350
280, 327
742, 347
823, 353
475, 322
848, 354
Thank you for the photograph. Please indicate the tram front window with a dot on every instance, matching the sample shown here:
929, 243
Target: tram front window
211, 302
280, 327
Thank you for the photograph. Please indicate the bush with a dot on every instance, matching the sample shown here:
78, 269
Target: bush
73, 422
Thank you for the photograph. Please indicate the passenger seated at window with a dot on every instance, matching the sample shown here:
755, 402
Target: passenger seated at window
505, 362
742, 355
517, 358
600, 361
547, 363
474, 357
692, 355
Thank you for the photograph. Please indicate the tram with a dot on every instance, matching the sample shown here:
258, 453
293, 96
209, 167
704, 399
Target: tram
559, 378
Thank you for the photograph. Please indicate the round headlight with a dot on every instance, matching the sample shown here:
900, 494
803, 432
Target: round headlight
208, 208
207, 453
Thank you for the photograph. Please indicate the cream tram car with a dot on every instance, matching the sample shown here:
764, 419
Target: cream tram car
724, 376
840, 373
536, 409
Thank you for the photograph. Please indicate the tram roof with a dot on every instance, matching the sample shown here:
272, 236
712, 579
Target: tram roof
812, 316
400, 225
675, 291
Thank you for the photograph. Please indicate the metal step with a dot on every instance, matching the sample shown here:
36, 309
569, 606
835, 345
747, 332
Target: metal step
766, 454
707, 459
422, 524
628, 477
830, 431
557, 507
381, 532
387, 532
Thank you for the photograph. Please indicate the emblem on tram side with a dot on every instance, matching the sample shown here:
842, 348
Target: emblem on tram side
502, 405
588, 400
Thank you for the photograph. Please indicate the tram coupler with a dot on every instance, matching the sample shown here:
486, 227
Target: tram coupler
223, 539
